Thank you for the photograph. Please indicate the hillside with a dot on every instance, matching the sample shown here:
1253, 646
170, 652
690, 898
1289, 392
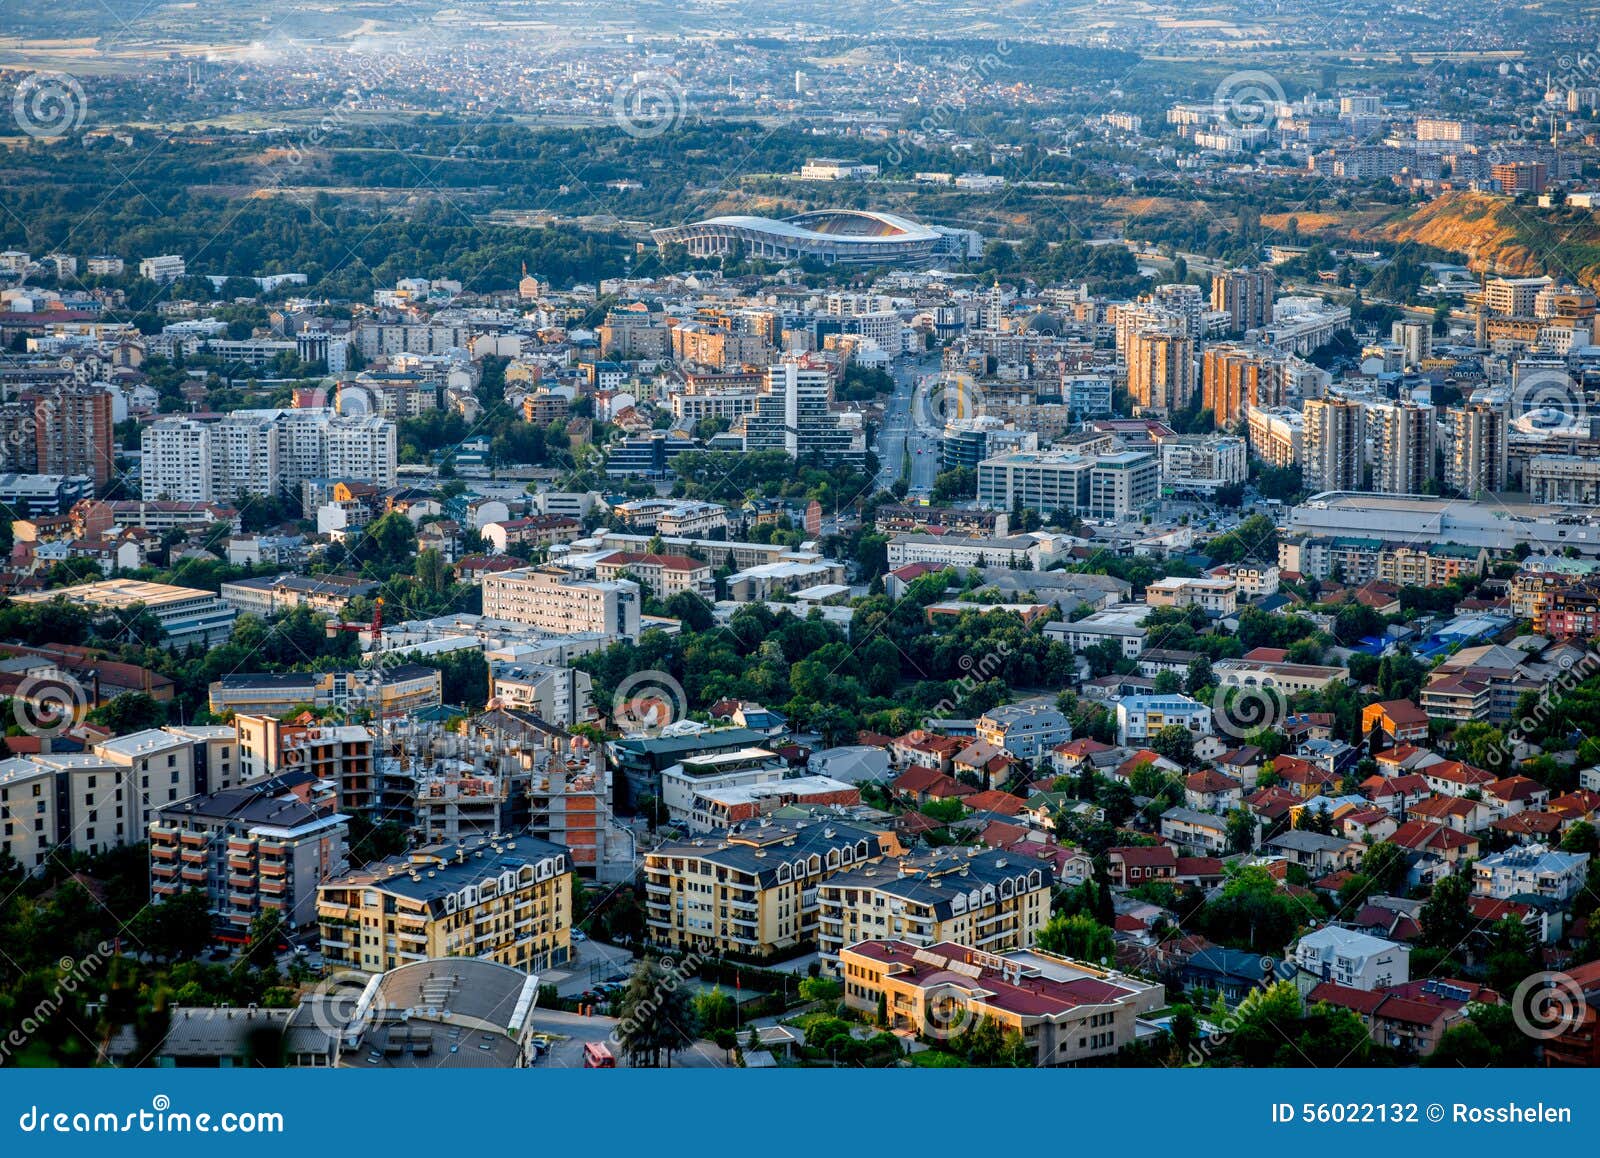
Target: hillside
1496, 236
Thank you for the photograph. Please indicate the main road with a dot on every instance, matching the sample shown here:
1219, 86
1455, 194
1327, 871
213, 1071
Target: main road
906, 435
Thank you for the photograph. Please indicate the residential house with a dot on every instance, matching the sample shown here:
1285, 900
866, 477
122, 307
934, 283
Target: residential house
1027, 730
1191, 829
1531, 871
1141, 863
1350, 958
1316, 853
1395, 721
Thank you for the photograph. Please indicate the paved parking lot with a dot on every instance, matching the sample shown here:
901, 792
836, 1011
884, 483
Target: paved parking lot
576, 1030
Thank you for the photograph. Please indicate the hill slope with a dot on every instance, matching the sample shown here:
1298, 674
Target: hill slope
1496, 236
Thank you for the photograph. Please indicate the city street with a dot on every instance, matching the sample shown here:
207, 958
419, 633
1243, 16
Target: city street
901, 435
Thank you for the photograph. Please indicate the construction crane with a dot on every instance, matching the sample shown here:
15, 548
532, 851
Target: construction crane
375, 627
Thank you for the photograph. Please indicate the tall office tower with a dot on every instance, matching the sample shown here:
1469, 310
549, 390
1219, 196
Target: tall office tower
1475, 454
73, 432
1415, 338
792, 415
1402, 439
1332, 444
1235, 378
1160, 371
1245, 295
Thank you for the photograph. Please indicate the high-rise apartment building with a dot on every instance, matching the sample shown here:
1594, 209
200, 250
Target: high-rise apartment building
1160, 371
264, 452
1245, 295
1414, 338
552, 600
1332, 438
1476, 450
1402, 441
499, 898
72, 432
793, 415
1235, 378
260, 848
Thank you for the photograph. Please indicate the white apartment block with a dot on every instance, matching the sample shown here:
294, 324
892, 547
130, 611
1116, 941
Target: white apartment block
168, 267
263, 452
551, 600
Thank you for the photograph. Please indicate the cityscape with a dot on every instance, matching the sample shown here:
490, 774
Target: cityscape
543, 536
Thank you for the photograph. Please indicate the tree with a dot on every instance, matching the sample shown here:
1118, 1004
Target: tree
1581, 837
1445, 918
1243, 829
716, 1010
261, 943
130, 712
1513, 954
1176, 743
177, 929
1251, 912
1200, 675
820, 989
1479, 744
1079, 936
656, 1017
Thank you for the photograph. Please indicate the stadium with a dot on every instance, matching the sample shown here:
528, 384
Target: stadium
832, 236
